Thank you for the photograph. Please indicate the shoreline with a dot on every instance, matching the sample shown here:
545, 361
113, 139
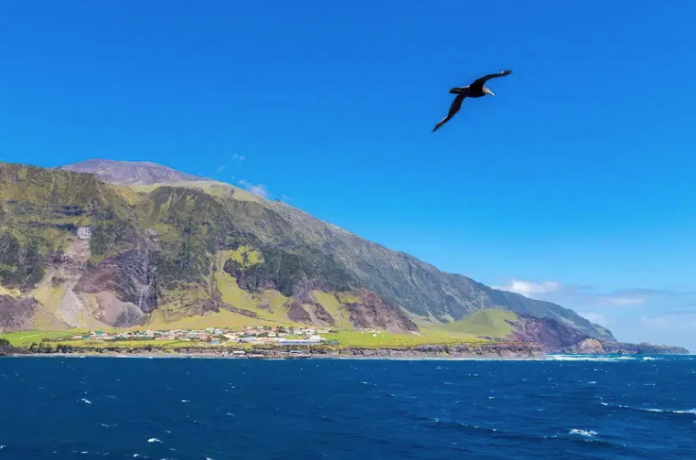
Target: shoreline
274, 358
336, 355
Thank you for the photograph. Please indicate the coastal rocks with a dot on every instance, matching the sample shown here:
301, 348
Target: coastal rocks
501, 350
5, 348
594, 346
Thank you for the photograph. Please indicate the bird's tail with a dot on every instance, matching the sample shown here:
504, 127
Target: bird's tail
455, 90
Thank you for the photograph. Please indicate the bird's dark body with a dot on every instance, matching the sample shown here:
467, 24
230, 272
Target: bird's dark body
468, 91
474, 90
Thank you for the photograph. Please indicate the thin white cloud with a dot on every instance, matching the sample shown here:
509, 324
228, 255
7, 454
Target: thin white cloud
238, 157
626, 301
528, 289
259, 189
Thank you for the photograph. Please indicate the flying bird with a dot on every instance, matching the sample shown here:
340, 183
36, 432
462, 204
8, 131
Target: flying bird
475, 89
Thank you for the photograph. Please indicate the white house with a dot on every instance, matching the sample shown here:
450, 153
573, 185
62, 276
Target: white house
84, 233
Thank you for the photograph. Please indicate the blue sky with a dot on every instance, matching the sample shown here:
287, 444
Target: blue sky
574, 183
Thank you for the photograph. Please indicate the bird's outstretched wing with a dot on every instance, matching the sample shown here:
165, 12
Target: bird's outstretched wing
454, 108
478, 84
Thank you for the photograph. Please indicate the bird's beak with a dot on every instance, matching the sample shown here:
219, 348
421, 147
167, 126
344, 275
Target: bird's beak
491, 92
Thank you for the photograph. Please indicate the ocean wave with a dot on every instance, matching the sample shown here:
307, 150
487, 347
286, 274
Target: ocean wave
154, 440
653, 409
584, 433
86, 401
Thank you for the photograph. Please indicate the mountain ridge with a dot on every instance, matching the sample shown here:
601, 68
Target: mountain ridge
166, 233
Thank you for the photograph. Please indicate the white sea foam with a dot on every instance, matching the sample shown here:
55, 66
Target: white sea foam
3, 447
154, 440
654, 409
593, 358
86, 401
689, 411
184, 400
585, 433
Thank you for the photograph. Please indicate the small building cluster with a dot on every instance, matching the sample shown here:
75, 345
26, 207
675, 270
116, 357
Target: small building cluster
254, 335
84, 233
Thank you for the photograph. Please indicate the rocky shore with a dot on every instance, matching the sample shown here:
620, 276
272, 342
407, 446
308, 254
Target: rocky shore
463, 351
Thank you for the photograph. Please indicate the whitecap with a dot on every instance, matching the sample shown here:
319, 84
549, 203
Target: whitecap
3, 447
185, 400
655, 410
592, 383
86, 401
585, 433
688, 411
153, 440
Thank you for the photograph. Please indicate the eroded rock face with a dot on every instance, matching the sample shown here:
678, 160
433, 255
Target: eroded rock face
372, 312
16, 314
323, 315
129, 274
551, 334
297, 313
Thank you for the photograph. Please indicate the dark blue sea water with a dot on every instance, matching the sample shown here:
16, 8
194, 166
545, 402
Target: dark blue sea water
92, 408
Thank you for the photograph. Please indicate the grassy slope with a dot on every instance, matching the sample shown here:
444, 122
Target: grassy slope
486, 323
26, 338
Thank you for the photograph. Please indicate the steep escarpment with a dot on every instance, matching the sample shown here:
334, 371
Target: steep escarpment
551, 333
124, 244
554, 336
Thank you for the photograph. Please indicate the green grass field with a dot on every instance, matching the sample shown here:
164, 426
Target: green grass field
25, 339
385, 339
484, 323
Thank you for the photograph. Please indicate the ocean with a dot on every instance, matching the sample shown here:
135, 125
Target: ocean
569, 408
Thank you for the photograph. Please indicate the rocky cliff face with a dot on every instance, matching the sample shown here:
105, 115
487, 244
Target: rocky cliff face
593, 346
16, 314
556, 337
551, 333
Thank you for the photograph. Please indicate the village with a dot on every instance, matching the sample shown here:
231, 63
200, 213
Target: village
272, 335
